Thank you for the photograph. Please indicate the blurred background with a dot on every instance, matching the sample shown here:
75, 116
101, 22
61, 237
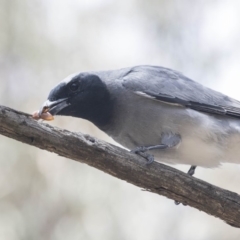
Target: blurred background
44, 196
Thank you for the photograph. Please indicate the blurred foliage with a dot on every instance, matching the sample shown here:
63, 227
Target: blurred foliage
44, 196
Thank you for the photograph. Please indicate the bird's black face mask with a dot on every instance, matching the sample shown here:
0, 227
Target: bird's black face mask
84, 96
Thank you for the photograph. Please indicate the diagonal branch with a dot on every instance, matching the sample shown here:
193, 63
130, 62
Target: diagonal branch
156, 178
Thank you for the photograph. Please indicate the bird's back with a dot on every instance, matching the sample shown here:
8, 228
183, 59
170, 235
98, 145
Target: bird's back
141, 121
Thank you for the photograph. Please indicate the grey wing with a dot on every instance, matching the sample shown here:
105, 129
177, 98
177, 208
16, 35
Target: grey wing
172, 87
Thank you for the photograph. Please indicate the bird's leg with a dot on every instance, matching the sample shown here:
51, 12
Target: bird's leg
168, 140
190, 172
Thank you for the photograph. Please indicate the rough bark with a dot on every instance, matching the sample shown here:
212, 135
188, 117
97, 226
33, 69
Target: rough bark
156, 178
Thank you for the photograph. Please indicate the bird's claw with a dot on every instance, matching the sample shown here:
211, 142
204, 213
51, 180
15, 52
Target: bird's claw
147, 156
142, 152
177, 203
150, 159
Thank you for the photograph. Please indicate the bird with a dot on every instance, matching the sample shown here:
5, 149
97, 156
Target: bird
155, 112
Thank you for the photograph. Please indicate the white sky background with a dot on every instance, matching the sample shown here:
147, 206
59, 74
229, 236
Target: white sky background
43, 196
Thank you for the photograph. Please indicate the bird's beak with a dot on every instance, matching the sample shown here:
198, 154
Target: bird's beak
53, 107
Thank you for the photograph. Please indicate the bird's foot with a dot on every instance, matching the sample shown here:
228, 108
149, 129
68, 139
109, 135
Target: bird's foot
141, 151
190, 172
149, 157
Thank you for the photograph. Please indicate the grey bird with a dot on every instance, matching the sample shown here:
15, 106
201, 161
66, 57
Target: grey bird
154, 111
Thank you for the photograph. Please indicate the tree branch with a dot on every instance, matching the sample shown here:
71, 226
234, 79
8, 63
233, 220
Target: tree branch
156, 178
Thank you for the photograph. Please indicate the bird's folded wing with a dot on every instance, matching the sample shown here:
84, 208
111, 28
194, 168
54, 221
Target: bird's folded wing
171, 87
202, 107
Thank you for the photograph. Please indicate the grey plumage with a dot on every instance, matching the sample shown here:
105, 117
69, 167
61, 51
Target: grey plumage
154, 105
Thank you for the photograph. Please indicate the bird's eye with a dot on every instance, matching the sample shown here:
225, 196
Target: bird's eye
73, 87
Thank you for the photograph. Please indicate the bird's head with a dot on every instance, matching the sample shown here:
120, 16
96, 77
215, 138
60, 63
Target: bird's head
82, 95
